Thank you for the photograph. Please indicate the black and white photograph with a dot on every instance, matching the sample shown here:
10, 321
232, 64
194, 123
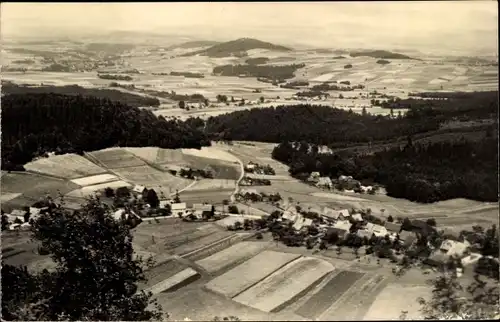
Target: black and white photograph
249, 161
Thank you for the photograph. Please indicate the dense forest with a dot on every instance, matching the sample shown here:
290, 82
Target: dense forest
187, 74
111, 94
34, 124
115, 77
256, 61
276, 72
314, 124
418, 172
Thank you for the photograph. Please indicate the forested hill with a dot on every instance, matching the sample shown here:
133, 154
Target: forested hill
418, 172
33, 124
237, 46
314, 124
130, 99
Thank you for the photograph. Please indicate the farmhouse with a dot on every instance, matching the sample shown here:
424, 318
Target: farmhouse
393, 227
324, 182
379, 231
179, 209
407, 238
139, 189
357, 217
362, 233
250, 166
343, 224
454, 248
301, 222
288, 215
314, 176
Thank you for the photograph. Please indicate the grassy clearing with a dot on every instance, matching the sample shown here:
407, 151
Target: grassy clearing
115, 158
249, 273
148, 153
148, 176
211, 153
198, 243
100, 178
221, 169
213, 184
231, 255
394, 299
33, 186
6, 196
200, 196
92, 189
172, 156
161, 272
66, 166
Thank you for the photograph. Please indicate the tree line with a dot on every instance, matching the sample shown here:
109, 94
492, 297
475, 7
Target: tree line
280, 72
418, 172
34, 124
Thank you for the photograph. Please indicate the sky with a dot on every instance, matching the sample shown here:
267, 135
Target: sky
453, 24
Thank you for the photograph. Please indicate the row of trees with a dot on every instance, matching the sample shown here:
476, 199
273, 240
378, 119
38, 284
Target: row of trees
34, 124
266, 71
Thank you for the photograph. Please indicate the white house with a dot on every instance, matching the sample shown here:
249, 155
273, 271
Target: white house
178, 209
343, 214
378, 230
454, 248
342, 224
357, 217
138, 189
325, 182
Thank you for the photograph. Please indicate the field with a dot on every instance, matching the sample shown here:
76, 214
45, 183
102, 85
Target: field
33, 187
92, 180
115, 158
329, 294
247, 274
214, 196
231, 255
211, 153
146, 153
284, 285
88, 191
221, 169
397, 298
67, 166
150, 177
213, 184
174, 282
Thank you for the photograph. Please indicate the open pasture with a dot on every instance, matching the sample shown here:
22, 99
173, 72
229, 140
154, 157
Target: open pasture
247, 274
66, 166
161, 271
211, 153
92, 180
146, 232
285, 285
34, 186
229, 256
88, 191
213, 184
175, 282
171, 156
146, 153
6, 196
215, 196
115, 158
200, 241
221, 169
394, 299
148, 176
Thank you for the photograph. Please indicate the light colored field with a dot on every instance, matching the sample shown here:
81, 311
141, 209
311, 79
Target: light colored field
213, 184
397, 298
336, 196
6, 196
231, 255
148, 153
88, 191
268, 177
92, 180
33, 186
66, 166
174, 281
210, 196
249, 273
115, 158
169, 156
283, 285
149, 177
202, 242
212, 153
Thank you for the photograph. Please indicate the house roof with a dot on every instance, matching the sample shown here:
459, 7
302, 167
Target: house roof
289, 216
178, 206
330, 213
202, 207
326, 181
454, 248
471, 259
391, 226
343, 225
357, 217
407, 235
344, 212
138, 188
364, 233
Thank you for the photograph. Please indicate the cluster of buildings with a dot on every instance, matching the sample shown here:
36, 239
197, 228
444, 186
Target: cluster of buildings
16, 219
348, 183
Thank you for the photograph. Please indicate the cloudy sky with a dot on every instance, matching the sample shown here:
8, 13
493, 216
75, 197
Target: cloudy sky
450, 24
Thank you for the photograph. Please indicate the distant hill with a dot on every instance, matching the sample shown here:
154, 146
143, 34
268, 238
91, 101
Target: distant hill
194, 44
383, 54
237, 47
